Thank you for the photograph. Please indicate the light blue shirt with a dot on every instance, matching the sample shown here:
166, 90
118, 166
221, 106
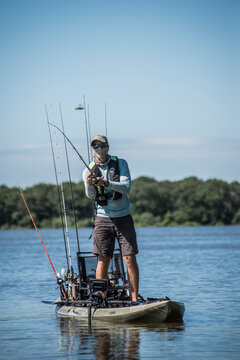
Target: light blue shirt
114, 208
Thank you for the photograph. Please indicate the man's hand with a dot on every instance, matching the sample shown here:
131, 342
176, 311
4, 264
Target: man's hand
99, 181
102, 182
90, 177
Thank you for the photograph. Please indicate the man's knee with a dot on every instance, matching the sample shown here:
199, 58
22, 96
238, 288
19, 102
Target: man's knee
105, 261
130, 259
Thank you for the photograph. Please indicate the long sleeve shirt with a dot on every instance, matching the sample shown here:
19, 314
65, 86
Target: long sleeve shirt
114, 208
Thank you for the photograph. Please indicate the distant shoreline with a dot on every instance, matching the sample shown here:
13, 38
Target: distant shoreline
188, 202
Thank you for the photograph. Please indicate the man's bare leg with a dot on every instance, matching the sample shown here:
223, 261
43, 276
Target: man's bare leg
133, 275
102, 267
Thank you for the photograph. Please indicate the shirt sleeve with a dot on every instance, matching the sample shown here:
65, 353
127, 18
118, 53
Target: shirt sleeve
124, 185
89, 189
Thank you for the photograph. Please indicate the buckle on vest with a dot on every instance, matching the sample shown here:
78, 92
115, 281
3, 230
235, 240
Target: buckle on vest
102, 198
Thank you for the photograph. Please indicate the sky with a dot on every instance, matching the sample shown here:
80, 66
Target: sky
168, 72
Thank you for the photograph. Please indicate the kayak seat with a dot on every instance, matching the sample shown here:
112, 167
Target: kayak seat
87, 264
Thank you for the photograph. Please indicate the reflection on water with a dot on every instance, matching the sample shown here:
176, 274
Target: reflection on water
106, 340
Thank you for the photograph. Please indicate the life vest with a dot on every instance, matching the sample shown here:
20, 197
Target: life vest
114, 175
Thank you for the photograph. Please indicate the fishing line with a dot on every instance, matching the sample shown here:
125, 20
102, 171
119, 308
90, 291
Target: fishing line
39, 235
59, 196
70, 180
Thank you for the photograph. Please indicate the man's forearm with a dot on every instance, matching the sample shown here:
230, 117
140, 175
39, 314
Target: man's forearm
124, 186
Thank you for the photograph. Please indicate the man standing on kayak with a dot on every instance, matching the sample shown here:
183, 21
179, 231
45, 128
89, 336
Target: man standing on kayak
113, 219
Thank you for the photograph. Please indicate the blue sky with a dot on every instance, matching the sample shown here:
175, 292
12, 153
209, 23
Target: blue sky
168, 71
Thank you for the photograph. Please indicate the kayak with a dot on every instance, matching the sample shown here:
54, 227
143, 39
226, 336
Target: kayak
148, 311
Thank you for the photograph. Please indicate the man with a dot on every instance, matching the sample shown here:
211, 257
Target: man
113, 219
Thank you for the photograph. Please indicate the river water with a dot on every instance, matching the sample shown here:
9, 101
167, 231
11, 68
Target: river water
199, 266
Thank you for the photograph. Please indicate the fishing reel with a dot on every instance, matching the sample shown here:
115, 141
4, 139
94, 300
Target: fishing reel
96, 179
61, 286
113, 280
60, 281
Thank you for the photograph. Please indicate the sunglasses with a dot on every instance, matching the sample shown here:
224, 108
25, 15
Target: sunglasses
96, 146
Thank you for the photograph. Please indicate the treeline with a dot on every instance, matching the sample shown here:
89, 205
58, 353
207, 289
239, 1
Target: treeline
153, 203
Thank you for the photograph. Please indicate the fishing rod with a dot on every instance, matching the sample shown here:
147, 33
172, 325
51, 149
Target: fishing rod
73, 148
86, 125
89, 131
59, 280
95, 179
70, 180
59, 197
105, 119
65, 213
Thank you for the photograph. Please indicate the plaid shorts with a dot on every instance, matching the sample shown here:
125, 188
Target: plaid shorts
107, 229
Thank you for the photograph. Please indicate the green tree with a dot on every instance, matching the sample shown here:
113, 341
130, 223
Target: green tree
187, 202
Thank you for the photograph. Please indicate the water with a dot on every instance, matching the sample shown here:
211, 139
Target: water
197, 265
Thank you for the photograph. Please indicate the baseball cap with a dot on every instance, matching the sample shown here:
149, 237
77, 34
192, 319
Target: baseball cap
100, 138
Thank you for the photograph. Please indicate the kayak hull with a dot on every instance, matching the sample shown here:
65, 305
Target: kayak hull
151, 312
